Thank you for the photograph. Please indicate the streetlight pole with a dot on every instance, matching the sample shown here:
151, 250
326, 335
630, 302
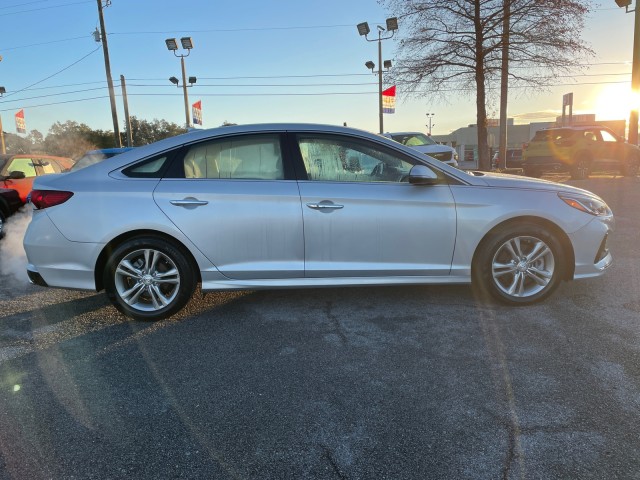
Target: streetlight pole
363, 30
635, 71
187, 44
430, 116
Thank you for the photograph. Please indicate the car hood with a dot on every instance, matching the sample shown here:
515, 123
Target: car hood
502, 180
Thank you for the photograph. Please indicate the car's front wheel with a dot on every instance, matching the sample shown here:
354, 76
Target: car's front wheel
149, 278
519, 265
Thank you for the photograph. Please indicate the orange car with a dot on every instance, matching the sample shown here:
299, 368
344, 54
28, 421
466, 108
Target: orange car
18, 171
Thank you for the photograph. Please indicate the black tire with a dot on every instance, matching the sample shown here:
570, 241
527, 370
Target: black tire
3, 223
630, 167
155, 272
518, 265
581, 168
532, 172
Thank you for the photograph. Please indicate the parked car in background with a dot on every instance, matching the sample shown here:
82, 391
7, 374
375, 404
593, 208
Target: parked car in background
427, 145
9, 204
299, 205
579, 150
95, 156
18, 171
513, 159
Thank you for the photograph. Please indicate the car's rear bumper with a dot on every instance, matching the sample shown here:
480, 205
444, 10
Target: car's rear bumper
53, 260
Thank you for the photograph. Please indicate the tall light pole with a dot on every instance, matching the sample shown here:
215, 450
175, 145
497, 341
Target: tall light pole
4, 148
363, 30
107, 67
430, 116
635, 71
187, 44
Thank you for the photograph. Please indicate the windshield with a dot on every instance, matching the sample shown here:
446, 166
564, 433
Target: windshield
87, 160
414, 139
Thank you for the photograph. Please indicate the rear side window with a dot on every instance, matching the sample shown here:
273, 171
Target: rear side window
256, 157
551, 135
151, 168
21, 164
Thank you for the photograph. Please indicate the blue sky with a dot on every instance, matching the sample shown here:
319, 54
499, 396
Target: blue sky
245, 52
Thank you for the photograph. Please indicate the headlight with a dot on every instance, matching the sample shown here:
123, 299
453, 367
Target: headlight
585, 203
455, 156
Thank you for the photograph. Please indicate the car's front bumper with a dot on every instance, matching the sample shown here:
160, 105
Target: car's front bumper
592, 255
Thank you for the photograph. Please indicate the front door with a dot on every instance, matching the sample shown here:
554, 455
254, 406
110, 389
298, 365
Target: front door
363, 218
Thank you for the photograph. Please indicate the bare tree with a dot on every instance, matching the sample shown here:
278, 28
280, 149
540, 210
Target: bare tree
449, 47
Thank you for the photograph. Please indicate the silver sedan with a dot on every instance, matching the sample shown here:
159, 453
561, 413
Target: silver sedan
297, 205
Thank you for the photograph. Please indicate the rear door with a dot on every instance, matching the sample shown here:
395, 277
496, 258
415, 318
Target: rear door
238, 201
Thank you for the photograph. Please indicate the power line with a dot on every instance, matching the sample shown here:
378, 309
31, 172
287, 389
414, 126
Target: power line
54, 74
44, 8
47, 43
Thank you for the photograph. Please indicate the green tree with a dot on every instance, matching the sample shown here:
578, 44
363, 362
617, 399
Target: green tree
145, 131
73, 139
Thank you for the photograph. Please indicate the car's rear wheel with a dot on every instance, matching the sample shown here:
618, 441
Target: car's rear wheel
3, 219
519, 265
631, 166
149, 278
581, 168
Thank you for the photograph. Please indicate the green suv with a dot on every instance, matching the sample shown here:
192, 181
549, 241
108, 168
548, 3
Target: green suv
579, 150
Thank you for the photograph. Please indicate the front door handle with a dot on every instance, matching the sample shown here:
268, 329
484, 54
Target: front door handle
324, 206
189, 202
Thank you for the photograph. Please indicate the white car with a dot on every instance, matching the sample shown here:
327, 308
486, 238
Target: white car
427, 145
297, 205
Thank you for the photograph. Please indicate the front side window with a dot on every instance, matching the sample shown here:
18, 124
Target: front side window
246, 157
343, 160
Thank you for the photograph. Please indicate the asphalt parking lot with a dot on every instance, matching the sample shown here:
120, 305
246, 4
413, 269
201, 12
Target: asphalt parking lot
362, 383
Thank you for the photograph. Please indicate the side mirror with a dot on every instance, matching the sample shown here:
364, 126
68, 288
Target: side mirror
16, 175
422, 175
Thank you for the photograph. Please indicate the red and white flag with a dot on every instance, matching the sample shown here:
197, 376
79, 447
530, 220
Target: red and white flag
389, 100
21, 126
197, 112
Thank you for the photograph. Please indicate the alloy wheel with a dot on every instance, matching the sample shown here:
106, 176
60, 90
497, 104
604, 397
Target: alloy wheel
523, 266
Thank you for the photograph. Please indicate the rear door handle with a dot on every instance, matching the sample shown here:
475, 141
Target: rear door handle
324, 206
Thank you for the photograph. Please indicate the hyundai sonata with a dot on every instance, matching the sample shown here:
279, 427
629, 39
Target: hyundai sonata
296, 205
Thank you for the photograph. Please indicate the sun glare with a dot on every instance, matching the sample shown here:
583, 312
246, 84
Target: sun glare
615, 102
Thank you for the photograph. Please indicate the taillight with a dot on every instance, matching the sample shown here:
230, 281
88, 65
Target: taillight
49, 198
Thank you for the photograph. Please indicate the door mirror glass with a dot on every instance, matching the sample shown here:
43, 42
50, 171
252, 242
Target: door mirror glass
16, 175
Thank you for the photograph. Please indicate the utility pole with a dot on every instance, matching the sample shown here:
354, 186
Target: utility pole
504, 85
4, 149
635, 79
127, 118
107, 67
